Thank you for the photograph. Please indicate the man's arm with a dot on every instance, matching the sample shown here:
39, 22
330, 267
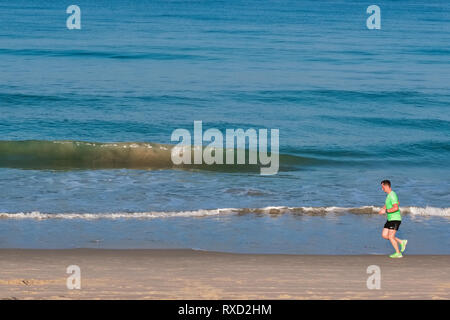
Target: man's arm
383, 210
393, 209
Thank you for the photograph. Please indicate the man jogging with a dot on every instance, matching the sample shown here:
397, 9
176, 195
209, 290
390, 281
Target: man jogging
394, 218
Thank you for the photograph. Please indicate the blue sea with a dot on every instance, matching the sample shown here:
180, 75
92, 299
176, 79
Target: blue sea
353, 106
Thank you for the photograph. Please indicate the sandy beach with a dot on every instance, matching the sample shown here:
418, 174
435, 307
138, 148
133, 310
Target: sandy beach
188, 274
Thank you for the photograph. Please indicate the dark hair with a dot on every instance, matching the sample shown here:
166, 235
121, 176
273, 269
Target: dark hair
386, 182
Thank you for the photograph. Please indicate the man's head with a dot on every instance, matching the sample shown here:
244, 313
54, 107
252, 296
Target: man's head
386, 186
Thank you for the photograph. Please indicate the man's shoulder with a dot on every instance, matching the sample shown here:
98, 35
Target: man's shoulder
393, 195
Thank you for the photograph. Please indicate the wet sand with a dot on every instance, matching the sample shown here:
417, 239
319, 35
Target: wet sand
188, 274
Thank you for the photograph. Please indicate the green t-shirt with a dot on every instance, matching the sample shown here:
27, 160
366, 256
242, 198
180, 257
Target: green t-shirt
391, 199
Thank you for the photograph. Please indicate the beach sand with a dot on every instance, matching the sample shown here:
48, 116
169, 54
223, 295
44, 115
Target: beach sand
188, 274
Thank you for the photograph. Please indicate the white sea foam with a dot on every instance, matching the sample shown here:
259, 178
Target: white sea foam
429, 211
113, 215
271, 210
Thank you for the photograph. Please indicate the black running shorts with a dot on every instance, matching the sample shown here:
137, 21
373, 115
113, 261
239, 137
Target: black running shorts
393, 225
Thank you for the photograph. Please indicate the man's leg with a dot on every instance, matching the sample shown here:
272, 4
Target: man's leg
385, 233
391, 236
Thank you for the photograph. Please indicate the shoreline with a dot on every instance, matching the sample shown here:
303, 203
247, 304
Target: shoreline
192, 274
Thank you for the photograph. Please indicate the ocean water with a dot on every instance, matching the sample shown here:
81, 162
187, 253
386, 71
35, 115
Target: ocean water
87, 115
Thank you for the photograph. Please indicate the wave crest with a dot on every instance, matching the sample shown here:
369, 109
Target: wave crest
41, 154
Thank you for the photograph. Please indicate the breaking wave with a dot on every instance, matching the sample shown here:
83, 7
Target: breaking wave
312, 211
41, 154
